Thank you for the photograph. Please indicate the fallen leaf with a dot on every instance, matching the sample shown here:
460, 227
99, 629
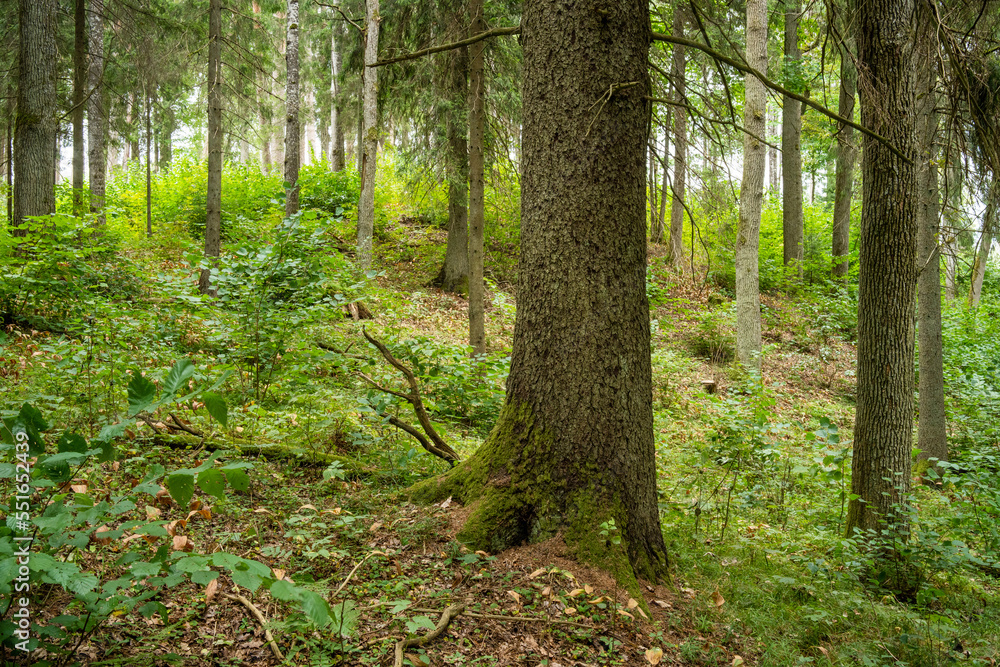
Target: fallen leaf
263, 510
376, 526
417, 660
78, 488
575, 592
515, 596
97, 535
547, 591
483, 554
569, 611
194, 504
625, 613
182, 543
210, 590
205, 513
335, 511
654, 655
309, 507
662, 604
588, 589
597, 600
445, 503
278, 573
153, 513
642, 613
718, 599
690, 593
632, 604
737, 661
537, 573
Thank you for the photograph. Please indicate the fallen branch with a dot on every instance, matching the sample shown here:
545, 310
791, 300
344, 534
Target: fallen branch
260, 619
516, 619
440, 448
351, 573
447, 616
184, 427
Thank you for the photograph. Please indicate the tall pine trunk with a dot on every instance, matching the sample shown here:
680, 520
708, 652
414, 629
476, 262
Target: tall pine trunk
986, 235
880, 479
292, 109
573, 446
368, 139
213, 217
337, 118
846, 156
932, 436
748, 343
477, 198
35, 129
79, 95
454, 274
96, 119
678, 66
791, 150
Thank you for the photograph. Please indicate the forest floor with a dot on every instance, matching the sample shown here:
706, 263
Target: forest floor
755, 577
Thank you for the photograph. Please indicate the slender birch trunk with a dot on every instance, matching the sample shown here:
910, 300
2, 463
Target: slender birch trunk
368, 138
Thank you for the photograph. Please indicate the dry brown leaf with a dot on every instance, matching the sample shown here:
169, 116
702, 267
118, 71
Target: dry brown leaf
153, 513
417, 660
445, 503
205, 512
376, 526
642, 613
262, 510
654, 655
115, 465
309, 507
78, 488
96, 536
632, 604
737, 661
483, 554
210, 590
514, 595
569, 611
662, 604
625, 613
717, 599
194, 504
182, 543
547, 591
575, 592
598, 600
537, 573
588, 589
334, 511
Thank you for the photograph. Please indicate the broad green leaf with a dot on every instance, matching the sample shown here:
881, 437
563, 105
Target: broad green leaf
202, 577
285, 590
213, 482
246, 579
72, 442
30, 422
178, 377
152, 607
181, 487
316, 608
237, 478
216, 406
141, 394
141, 570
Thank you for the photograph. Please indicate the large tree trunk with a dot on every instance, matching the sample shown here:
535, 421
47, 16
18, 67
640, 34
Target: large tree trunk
985, 243
678, 66
791, 150
932, 436
213, 217
477, 194
846, 156
35, 129
883, 427
573, 447
96, 119
79, 95
368, 138
337, 119
292, 109
748, 343
454, 274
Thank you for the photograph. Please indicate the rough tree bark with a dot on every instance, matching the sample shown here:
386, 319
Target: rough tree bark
96, 120
985, 243
883, 437
35, 125
337, 117
79, 95
291, 172
368, 138
213, 217
932, 434
748, 343
454, 274
846, 155
791, 148
573, 446
678, 66
477, 195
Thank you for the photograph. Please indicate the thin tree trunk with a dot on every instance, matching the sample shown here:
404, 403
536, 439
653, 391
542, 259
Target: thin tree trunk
748, 342
368, 138
149, 174
678, 67
477, 199
9, 142
454, 274
213, 217
35, 132
883, 435
774, 165
664, 188
292, 156
955, 183
135, 122
985, 244
337, 120
846, 157
791, 136
79, 95
573, 446
932, 435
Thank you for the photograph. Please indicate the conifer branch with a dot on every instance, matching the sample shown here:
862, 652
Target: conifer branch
495, 32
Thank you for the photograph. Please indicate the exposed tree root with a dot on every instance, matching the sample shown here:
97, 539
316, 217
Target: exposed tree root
260, 619
447, 616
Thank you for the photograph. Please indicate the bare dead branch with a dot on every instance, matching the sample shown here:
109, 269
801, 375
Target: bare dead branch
495, 32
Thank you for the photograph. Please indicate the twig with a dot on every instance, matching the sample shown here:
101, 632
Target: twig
495, 32
747, 69
260, 619
351, 573
183, 427
515, 619
450, 454
446, 617
604, 99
